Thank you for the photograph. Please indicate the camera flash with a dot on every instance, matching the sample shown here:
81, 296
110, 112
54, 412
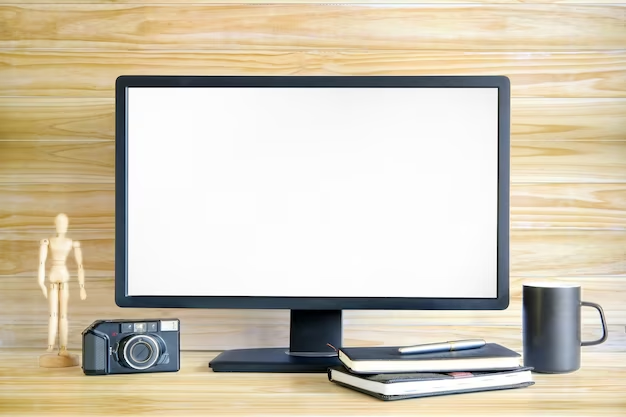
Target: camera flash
169, 325
140, 327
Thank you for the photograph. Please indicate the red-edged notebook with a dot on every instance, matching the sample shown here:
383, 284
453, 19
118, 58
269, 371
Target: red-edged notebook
389, 387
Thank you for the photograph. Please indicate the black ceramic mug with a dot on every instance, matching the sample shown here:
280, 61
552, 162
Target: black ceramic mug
551, 327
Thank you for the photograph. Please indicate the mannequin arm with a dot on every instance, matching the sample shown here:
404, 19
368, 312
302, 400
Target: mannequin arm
78, 254
43, 255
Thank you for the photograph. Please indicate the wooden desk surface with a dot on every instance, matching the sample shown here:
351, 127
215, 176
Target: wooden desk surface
26, 390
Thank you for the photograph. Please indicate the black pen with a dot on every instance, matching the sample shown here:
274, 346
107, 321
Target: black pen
444, 347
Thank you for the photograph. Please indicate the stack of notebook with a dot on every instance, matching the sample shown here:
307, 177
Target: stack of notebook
384, 373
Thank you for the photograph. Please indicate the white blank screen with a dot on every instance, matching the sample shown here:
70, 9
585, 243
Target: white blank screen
306, 192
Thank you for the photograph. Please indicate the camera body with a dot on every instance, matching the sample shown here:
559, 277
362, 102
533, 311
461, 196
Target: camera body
131, 346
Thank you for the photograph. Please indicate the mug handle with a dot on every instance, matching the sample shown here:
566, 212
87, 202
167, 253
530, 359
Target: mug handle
604, 329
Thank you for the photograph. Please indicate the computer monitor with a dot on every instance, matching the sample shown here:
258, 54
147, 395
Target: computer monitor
316, 194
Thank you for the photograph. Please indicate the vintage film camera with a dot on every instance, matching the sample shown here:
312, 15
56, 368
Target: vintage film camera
131, 346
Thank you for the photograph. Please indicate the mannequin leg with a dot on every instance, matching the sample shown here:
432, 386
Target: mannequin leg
53, 321
64, 295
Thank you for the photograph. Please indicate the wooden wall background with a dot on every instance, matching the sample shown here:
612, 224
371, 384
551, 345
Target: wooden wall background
566, 60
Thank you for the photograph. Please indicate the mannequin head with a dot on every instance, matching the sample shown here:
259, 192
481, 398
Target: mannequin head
61, 223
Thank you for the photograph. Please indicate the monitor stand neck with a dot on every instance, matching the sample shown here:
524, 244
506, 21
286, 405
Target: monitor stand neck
311, 333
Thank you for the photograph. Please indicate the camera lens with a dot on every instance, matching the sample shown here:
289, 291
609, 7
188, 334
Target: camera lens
140, 351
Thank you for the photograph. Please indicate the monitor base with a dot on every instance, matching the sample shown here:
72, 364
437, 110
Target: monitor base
314, 336
276, 360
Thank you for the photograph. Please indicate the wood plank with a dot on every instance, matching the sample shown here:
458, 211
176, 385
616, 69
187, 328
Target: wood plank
203, 337
568, 162
533, 119
554, 252
534, 252
609, 291
548, 119
531, 162
26, 325
510, 27
32, 207
565, 206
52, 118
92, 73
20, 252
57, 162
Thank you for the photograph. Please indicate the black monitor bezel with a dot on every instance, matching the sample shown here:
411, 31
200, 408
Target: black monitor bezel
501, 301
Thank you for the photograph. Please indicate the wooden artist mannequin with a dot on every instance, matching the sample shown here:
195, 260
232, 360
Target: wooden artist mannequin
59, 247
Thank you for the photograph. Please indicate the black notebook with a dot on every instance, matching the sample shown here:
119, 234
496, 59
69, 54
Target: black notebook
387, 359
390, 387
